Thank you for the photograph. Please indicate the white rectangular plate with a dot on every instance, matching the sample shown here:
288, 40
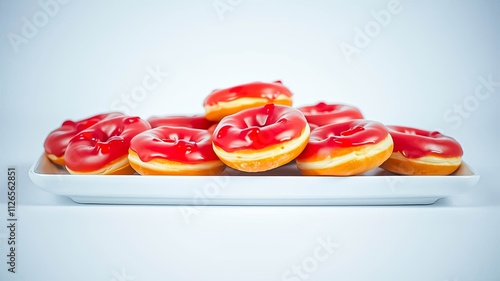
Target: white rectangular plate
281, 186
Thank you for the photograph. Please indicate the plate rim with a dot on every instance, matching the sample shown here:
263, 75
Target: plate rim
466, 183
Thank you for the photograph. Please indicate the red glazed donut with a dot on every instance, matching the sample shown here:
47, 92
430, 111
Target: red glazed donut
262, 138
174, 151
419, 152
196, 122
212, 128
56, 142
221, 103
345, 149
324, 114
103, 148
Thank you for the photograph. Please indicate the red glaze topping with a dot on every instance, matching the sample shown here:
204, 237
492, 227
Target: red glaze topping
343, 135
212, 128
57, 141
94, 148
269, 91
196, 122
323, 114
185, 145
258, 128
416, 143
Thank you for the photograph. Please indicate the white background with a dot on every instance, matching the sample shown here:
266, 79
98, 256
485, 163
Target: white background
415, 71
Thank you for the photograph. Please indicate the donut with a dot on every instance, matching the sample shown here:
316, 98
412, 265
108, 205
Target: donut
196, 122
103, 148
420, 152
212, 128
170, 150
56, 142
344, 149
221, 103
262, 138
324, 114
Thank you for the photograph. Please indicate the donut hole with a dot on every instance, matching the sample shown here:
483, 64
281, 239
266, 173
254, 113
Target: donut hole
323, 108
352, 131
258, 135
258, 128
96, 137
349, 133
116, 132
181, 142
261, 120
186, 144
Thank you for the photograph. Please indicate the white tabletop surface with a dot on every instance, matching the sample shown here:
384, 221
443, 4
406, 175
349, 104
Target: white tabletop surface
427, 62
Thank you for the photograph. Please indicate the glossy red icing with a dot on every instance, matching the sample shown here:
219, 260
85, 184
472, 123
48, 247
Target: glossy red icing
269, 91
57, 141
212, 128
94, 148
323, 114
258, 128
416, 143
343, 135
185, 145
196, 122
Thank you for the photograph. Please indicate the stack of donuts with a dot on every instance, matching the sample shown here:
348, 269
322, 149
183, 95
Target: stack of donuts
251, 128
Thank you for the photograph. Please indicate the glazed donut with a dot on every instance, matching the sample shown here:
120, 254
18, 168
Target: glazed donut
174, 151
324, 114
212, 128
419, 152
344, 149
262, 138
196, 122
103, 148
56, 142
221, 103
